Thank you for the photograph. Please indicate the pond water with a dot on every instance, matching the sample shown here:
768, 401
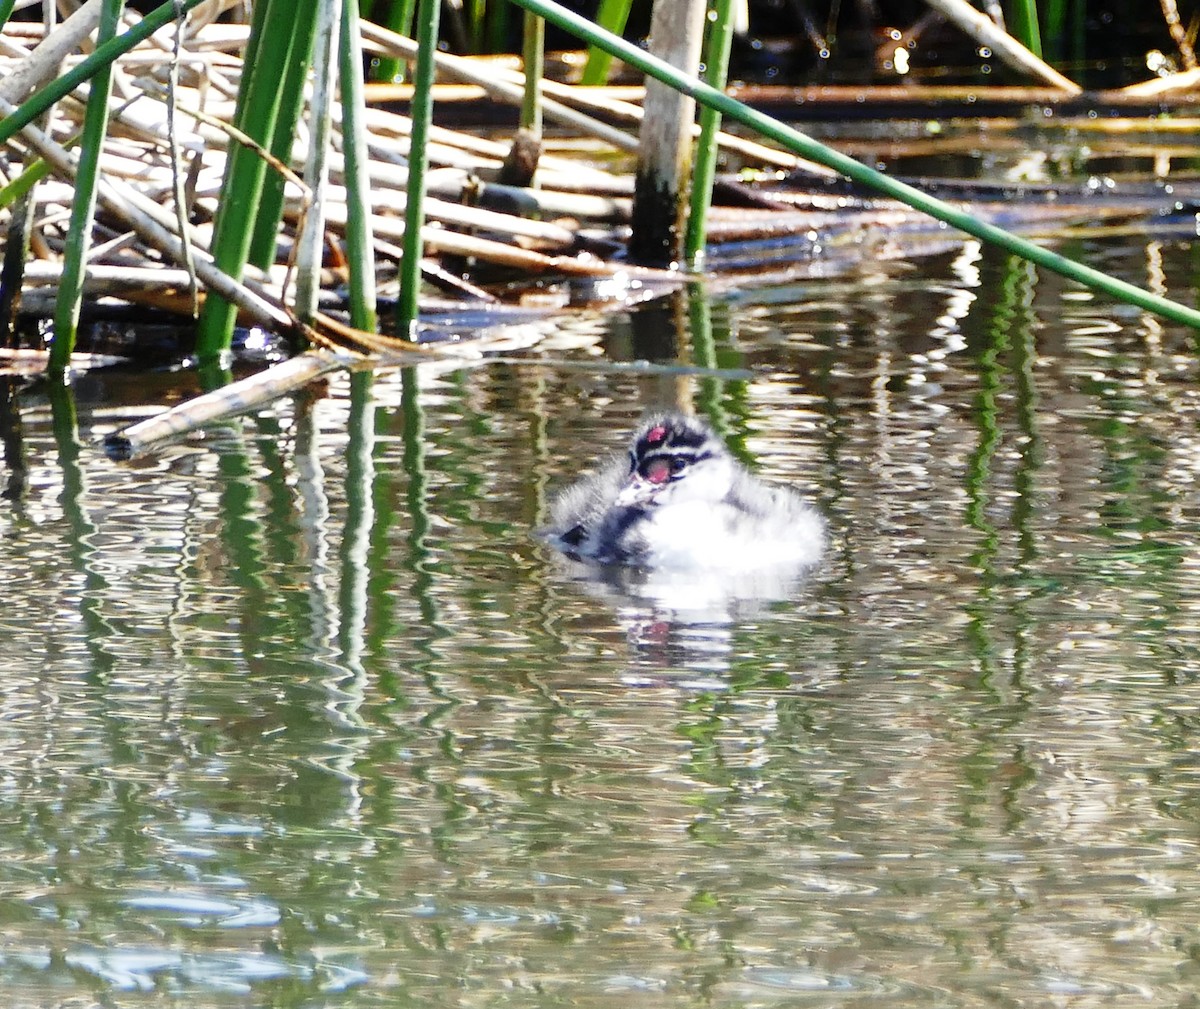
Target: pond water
298, 712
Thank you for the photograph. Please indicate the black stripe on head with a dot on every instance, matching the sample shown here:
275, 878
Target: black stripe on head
670, 433
677, 461
666, 447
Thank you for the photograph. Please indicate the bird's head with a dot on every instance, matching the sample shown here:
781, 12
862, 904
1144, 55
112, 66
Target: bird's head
675, 459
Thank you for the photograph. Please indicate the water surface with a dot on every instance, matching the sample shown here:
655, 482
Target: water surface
297, 712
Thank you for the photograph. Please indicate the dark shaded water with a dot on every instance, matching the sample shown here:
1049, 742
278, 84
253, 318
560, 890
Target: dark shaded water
298, 713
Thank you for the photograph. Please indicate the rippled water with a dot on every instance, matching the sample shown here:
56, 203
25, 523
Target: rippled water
298, 712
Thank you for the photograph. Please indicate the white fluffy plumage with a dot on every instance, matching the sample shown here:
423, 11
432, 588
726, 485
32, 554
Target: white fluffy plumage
679, 501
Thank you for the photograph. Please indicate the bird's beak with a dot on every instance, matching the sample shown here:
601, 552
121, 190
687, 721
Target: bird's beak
637, 491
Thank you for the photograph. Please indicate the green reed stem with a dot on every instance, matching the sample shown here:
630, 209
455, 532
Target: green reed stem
476, 11
277, 55
264, 240
704, 167
359, 247
612, 16
1055, 14
83, 207
1024, 27
23, 184
496, 38
803, 145
1065, 22
534, 64
397, 16
428, 14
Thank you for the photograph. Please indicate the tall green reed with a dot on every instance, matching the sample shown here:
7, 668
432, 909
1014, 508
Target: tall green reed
396, 16
1024, 27
428, 16
83, 208
299, 58
717, 48
533, 51
359, 249
1064, 38
612, 16
269, 99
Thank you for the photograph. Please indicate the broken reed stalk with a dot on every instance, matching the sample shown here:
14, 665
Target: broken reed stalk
278, 380
154, 225
27, 111
805, 146
237, 397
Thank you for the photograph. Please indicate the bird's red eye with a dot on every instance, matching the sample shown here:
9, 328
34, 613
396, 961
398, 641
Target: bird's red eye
658, 471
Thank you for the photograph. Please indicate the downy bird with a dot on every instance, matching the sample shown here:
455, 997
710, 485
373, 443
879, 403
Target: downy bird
679, 500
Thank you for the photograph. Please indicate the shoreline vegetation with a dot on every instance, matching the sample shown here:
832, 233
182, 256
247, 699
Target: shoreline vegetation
200, 168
